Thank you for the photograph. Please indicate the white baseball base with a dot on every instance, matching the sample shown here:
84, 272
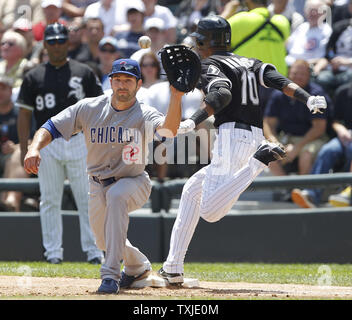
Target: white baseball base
158, 282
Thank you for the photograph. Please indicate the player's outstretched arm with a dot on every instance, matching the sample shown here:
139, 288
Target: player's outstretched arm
173, 116
32, 159
315, 104
273, 79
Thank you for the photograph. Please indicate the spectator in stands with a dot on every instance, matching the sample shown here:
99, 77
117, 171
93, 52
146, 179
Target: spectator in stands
309, 40
335, 68
335, 154
94, 33
76, 48
189, 12
13, 51
341, 12
299, 6
111, 13
257, 34
150, 70
268, 44
108, 53
232, 7
342, 199
10, 164
128, 39
155, 29
2, 31
52, 10
24, 27
286, 8
153, 10
290, 123
11, 10
75, 8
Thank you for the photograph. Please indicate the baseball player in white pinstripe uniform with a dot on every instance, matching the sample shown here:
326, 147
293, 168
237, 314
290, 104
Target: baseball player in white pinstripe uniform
240, 151
46, 90
117, 136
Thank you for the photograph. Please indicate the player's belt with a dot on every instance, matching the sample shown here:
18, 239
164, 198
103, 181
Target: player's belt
244, 126
105, 182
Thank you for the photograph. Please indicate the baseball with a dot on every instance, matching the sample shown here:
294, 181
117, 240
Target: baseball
144, 42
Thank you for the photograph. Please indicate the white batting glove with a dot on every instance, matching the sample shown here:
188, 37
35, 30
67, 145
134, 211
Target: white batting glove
186, 126
316, 104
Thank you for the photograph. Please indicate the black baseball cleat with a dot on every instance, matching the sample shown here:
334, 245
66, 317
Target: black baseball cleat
95, 260
268, 152
126, 281
172, 278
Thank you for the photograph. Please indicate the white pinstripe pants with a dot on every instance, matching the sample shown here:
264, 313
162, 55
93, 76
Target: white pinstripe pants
212, 191
61, 159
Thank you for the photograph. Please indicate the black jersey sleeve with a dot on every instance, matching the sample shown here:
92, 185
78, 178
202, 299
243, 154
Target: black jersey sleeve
212, 76
271, 78
26, 96
94, 84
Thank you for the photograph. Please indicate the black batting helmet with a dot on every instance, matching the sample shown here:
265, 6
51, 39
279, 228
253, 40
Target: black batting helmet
55, 31
213, 31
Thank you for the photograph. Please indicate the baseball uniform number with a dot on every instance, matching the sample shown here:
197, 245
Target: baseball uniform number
249, 77
48, 101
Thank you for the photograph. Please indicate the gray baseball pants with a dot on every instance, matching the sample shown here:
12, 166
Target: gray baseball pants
108, 215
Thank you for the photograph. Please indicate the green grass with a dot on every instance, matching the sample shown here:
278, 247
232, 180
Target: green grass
340, 274
312, 274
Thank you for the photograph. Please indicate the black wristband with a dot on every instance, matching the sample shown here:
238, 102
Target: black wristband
199, 116
301, 95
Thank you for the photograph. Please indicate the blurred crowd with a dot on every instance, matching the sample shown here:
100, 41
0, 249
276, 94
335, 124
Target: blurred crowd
310, 41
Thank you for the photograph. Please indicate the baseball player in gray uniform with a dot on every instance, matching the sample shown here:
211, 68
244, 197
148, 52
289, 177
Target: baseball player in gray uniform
115, 128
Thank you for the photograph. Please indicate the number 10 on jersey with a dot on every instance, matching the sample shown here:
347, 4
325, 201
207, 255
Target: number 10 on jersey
248, 81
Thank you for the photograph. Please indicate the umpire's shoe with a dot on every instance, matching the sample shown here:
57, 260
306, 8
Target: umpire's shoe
126, 281
172, 278
269, 151
109, 286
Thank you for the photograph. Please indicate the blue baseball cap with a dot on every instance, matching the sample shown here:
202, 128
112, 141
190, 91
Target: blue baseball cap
126, 66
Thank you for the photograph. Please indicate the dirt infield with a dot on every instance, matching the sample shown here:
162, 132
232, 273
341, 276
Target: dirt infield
41, 287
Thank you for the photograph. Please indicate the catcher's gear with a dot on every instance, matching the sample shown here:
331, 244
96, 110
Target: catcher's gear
186, 126
182, 67
213, 31
316, 104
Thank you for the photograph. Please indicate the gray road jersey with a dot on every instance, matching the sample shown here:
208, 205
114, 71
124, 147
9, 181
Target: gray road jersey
116, 140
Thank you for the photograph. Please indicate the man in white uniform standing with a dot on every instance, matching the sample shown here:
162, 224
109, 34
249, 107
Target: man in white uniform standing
117, 129
46, 90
